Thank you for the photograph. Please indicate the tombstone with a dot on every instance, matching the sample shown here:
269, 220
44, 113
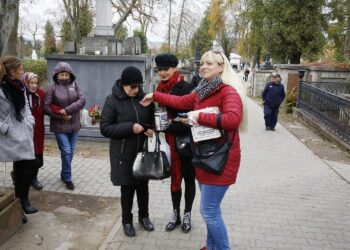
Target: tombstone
129, 46
104, 17
34, 55
69, 47
119, 48
138, 49
102, 36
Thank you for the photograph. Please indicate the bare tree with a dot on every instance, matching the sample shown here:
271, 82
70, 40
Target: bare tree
72, 8
9, 15
33, 30
124, 9
144, 14
180, 24
169, 25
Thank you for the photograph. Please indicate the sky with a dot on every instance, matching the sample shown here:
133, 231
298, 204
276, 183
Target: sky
42, 10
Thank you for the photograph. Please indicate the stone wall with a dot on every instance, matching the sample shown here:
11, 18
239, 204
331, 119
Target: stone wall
290, 78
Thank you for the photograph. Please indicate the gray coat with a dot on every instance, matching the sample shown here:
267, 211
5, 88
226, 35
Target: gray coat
16, 138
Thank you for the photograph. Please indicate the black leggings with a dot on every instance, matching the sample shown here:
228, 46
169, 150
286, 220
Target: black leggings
190, 192
23, 173
127, 198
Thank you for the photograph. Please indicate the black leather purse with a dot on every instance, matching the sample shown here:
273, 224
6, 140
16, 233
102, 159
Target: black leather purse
183, 145
151, 165
210, 155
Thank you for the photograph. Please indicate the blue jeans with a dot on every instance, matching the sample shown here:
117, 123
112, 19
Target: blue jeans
211, 197
66, 143
270, 115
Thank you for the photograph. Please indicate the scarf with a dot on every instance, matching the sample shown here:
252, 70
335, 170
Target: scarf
176, 177
205, 87
168, 85
14, 92
33, 98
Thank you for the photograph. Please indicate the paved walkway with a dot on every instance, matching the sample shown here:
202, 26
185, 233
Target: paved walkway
285, 198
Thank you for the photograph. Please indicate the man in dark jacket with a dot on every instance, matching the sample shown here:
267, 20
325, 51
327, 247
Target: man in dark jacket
273, 95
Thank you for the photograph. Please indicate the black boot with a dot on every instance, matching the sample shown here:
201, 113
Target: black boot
129, 229
35, 183
186, 224
174, 221
24, 218
27, 207
146, 223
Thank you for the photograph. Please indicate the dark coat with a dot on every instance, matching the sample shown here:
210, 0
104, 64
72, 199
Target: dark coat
230, 105
178, 128
180, 89
273, 94
119, 114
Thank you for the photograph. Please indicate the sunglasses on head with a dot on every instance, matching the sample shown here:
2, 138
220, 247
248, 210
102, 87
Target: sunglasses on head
134, 86
218, 52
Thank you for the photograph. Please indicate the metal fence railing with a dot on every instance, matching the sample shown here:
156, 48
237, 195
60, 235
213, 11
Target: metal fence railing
336, 88
325, 104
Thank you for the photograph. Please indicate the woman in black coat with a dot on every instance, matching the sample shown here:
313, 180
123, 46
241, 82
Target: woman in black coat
172, 82
127, 124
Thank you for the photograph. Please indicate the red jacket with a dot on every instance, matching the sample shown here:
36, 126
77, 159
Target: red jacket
39, 129
229, 102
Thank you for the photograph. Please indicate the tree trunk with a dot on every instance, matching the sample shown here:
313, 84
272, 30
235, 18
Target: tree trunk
125, 15
180, 25
9, 15
169, 26
72, 9
295, 57
347, 34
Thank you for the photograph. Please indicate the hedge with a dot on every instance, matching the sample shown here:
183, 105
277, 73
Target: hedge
38, 67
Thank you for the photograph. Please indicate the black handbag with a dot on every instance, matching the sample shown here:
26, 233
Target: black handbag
210, 155
183, 145
151, 165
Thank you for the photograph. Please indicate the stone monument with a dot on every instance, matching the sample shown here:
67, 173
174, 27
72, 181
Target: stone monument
101, 40
104, 16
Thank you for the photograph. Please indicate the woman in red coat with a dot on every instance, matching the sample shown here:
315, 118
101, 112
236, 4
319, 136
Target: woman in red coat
217, 89
36, 102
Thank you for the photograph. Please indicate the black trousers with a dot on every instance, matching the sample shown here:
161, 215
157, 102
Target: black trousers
190, 192
40, 162
23, 173
127, 198
270, 115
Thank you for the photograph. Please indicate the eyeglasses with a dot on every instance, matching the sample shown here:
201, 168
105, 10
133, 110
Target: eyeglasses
134, 86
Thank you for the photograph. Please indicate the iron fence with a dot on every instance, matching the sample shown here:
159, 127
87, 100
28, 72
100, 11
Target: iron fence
336, 88
320, 101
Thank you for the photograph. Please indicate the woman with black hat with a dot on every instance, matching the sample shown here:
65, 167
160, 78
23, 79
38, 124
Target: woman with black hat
124, 121
171, 82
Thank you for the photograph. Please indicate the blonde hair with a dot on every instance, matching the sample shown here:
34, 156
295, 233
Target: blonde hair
228, 77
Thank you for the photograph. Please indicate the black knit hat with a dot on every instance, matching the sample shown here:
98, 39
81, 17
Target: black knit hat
166, 60
131, 75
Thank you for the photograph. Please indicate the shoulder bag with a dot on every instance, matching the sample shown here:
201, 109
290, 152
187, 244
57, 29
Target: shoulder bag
183, 145
151, 165
210, 155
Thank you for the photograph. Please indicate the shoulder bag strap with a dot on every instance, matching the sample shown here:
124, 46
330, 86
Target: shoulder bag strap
218, 124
